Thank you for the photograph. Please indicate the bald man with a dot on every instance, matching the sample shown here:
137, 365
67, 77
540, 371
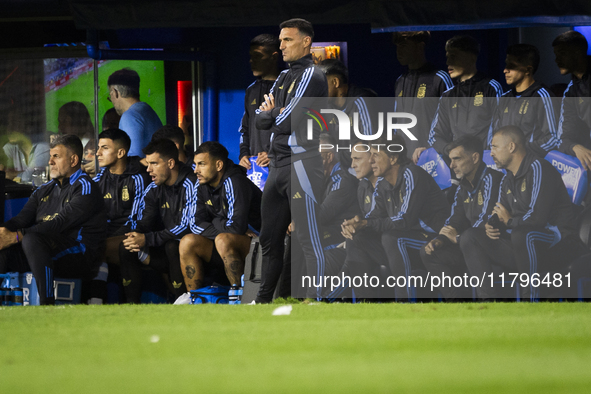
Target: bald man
535, 232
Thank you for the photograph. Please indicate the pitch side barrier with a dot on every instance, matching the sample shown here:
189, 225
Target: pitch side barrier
375, 251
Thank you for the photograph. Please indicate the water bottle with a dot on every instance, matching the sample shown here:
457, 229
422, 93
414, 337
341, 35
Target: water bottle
4, 296
17, 295
235, 295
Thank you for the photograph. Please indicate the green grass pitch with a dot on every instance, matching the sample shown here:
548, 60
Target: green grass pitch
414, 348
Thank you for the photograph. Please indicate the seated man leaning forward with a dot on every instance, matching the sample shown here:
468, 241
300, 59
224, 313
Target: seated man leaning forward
61, 229
163, 216
227, 203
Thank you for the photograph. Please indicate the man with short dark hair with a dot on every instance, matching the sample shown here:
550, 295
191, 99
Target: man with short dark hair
348, 98
528, 104
110, 119
536, 229
264, 58
228, 203
422, 80
122, 181
176, 135
474, 201
61, 229
164, 215
574, 125
138, 119
292, 155
468, 108
409, 210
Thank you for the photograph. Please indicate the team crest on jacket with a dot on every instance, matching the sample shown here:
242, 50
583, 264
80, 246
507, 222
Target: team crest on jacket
523, 186
125, 194
50, 217
524, 107
291, 87
480, 199
422, 91
479, 99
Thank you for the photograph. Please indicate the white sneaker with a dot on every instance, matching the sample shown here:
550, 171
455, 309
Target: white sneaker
95, 301
253, 302
184, 299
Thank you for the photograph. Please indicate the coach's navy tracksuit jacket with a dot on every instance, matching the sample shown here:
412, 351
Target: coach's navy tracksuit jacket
167, 212
474, 202
411, 88
73, 209
230, 207
121, 193
252, 140
302, 79
535, 112
536, 196
466, 109
575, 113
415, 202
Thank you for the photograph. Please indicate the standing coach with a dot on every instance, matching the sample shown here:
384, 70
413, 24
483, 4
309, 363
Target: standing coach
291, 155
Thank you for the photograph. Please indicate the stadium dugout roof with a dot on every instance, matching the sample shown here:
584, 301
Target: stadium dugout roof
30, 22
383, 15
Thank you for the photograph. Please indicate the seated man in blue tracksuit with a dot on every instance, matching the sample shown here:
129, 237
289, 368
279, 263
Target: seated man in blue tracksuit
339, 202
122, 180
61, 229
228, 203
409, 210
161, 219
537, 229
366, 244
474, 201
